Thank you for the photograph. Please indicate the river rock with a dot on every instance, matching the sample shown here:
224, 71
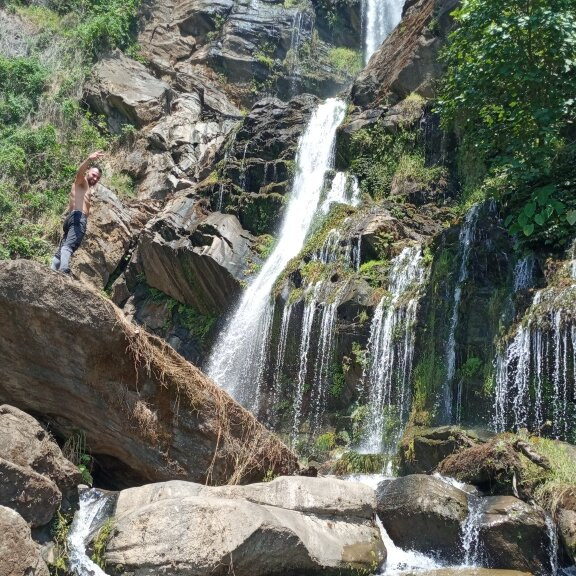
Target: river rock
290, 525
196, 258
421, 451
513, 535
423, 513
34, 475
567, 528
147, 414
18, 553
492, 466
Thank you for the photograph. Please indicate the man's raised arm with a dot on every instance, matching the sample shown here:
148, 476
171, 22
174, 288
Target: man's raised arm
81, 174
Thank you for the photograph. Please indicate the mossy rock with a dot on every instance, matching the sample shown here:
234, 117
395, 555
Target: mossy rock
422, 450
260, 213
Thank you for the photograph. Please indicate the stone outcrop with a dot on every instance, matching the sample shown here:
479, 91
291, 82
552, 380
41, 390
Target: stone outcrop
196, 258
148, 415
259, 47
513, 535
287, 526
124, 91
423, 513
408, 59
18, 553
256, 171
35, 478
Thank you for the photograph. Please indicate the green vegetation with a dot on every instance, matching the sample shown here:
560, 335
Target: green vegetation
355, 463
331, 10
44, 131
76, 451
346, 60
59, 530
198, 324
101, 541
378, 157
509, 94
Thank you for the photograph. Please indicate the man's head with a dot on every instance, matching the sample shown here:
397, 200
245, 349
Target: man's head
93, 175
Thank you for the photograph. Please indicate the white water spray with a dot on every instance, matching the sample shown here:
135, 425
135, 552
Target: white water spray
92, 507
238, 358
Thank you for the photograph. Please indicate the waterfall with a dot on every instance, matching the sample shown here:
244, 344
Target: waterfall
344, 189
524, 273
380, 18
280, 355
390, 349
237, 359
308, 320
470, 532
552, 530
93, 507
465, 240
536, 371
322, 366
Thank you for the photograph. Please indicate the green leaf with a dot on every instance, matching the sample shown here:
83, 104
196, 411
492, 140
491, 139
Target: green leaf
540, 219
528, 229
571, 217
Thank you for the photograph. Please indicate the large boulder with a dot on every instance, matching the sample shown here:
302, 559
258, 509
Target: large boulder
494, 466
196, 258
112, 228
67, 353
18, 553
287, 526
423, 513
34, 475
514, 535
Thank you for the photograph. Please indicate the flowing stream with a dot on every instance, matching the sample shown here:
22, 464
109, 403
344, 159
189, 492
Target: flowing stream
94, 507
380, 18
238, 358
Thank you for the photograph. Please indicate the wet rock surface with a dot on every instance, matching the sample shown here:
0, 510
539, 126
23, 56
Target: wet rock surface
423, 513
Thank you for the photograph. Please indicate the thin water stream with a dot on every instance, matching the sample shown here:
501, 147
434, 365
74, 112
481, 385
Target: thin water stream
94, 507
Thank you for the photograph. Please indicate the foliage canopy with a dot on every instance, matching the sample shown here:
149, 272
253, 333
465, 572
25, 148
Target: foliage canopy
509, 92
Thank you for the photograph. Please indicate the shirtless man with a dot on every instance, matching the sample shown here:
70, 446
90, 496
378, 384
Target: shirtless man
78, 209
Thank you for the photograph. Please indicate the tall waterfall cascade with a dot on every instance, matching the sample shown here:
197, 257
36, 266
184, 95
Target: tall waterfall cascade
238, 359
390, 350
536, 371
380, 18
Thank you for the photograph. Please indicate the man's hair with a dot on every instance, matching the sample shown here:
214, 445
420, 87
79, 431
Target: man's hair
97, 168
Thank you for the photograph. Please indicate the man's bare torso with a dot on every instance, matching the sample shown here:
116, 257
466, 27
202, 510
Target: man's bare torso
80, 197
